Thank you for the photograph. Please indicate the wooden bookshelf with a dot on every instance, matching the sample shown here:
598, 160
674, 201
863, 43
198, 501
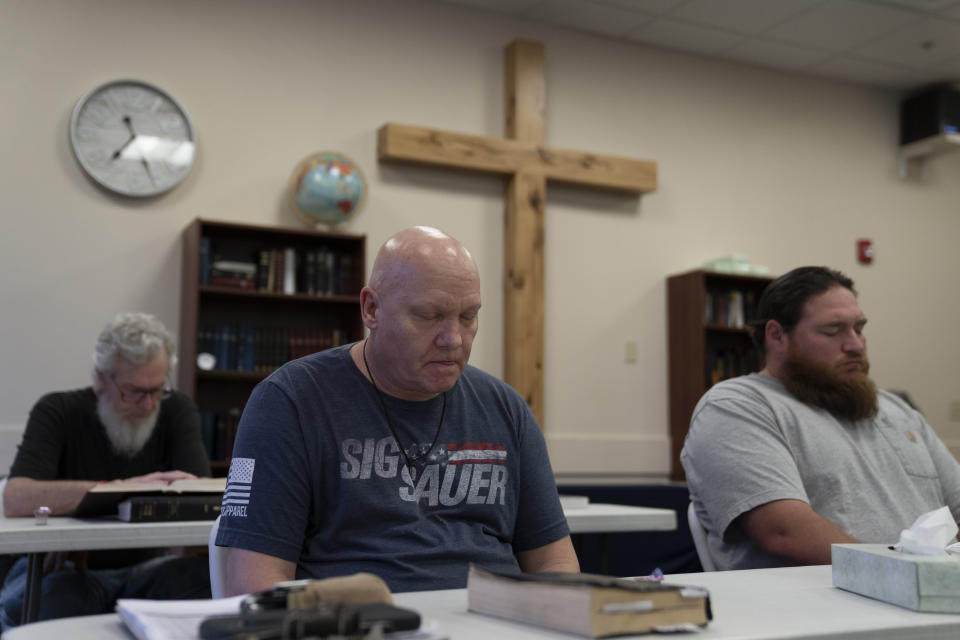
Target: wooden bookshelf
251, 327
708, 336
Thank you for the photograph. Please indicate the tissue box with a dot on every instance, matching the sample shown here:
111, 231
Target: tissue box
921, 583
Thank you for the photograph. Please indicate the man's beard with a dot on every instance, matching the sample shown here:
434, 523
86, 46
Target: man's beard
126, 436
853, 398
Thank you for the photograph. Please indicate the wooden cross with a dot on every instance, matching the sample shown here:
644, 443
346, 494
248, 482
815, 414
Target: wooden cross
527, 163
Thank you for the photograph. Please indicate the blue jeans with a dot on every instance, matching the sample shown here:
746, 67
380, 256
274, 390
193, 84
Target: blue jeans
69, 592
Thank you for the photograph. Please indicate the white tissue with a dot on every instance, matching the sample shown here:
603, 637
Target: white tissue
930, 534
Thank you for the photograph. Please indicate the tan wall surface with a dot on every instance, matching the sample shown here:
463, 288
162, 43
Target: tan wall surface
785, 169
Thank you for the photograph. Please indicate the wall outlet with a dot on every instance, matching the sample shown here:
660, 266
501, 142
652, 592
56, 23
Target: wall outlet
630, 351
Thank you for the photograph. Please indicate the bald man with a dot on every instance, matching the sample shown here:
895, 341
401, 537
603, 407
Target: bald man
392, 455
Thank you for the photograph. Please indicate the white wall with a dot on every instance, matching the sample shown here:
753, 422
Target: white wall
785, 169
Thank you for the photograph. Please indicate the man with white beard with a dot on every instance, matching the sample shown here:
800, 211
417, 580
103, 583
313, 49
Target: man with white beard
127, 427
808, 452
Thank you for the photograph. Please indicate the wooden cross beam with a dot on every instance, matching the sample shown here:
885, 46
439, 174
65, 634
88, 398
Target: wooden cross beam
527, 163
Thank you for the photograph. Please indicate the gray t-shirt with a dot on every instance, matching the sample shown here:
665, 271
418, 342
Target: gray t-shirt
751, 442
317, 478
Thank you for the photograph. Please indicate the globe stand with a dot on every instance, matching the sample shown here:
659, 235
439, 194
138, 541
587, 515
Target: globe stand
319, 226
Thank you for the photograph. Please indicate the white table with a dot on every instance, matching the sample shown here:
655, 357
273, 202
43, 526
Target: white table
801, 602
23, 535
792, 603
598, 517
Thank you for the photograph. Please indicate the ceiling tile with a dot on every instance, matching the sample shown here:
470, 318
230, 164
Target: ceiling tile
651, 7
743, 16
932, 6
841, 25
500, 6
588, 16
949, 71
777, 55
921, 45
684, 36
867, 72
872, 42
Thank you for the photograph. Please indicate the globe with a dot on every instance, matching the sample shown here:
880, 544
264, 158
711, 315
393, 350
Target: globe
326, 188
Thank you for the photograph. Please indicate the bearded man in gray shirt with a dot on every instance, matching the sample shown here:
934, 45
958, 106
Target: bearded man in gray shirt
807, 452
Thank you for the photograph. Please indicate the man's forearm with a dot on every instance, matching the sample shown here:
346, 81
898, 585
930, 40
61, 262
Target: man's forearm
557, 556
791, 531
249, 571
22, 496
811, 547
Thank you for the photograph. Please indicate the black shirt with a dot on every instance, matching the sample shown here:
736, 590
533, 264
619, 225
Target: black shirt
65, 440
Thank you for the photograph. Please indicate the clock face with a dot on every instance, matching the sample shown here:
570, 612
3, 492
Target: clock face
132, 138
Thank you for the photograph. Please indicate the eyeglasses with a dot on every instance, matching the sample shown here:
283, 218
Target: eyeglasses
136, 395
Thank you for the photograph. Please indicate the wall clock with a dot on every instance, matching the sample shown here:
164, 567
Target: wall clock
132, 138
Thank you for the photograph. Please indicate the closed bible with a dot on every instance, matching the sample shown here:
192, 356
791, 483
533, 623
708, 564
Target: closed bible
587, 604
158, 508
104, 498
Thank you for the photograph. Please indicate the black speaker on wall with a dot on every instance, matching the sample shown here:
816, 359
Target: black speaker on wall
929, 112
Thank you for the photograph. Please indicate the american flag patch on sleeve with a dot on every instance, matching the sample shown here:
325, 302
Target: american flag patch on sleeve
239, 482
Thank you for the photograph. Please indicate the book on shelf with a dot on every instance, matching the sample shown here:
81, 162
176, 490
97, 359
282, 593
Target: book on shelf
308, 274
103, 498
234, 267
239, 347
165, 507
232, 282
727, 308
219, 430
736, 316
205, 258
587, 604
279, 264
290, 270
264, 262
729, 362
320, 270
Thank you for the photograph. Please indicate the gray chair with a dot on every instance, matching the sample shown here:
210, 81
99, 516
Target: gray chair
218, 563
700, 539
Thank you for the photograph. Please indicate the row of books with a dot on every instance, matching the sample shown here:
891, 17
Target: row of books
729, 362
319, 271
237, 347
219, 429
729, 308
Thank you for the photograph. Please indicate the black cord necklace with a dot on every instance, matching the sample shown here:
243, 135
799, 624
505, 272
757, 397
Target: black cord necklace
417, 461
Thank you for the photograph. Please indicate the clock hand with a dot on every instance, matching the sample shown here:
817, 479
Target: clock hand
133, 135
149, 172
143, 158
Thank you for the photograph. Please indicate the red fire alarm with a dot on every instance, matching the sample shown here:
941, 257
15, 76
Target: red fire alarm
864, 251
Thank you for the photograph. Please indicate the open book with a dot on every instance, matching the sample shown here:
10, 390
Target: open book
172, 619
103, 499
181, 620
586, 604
